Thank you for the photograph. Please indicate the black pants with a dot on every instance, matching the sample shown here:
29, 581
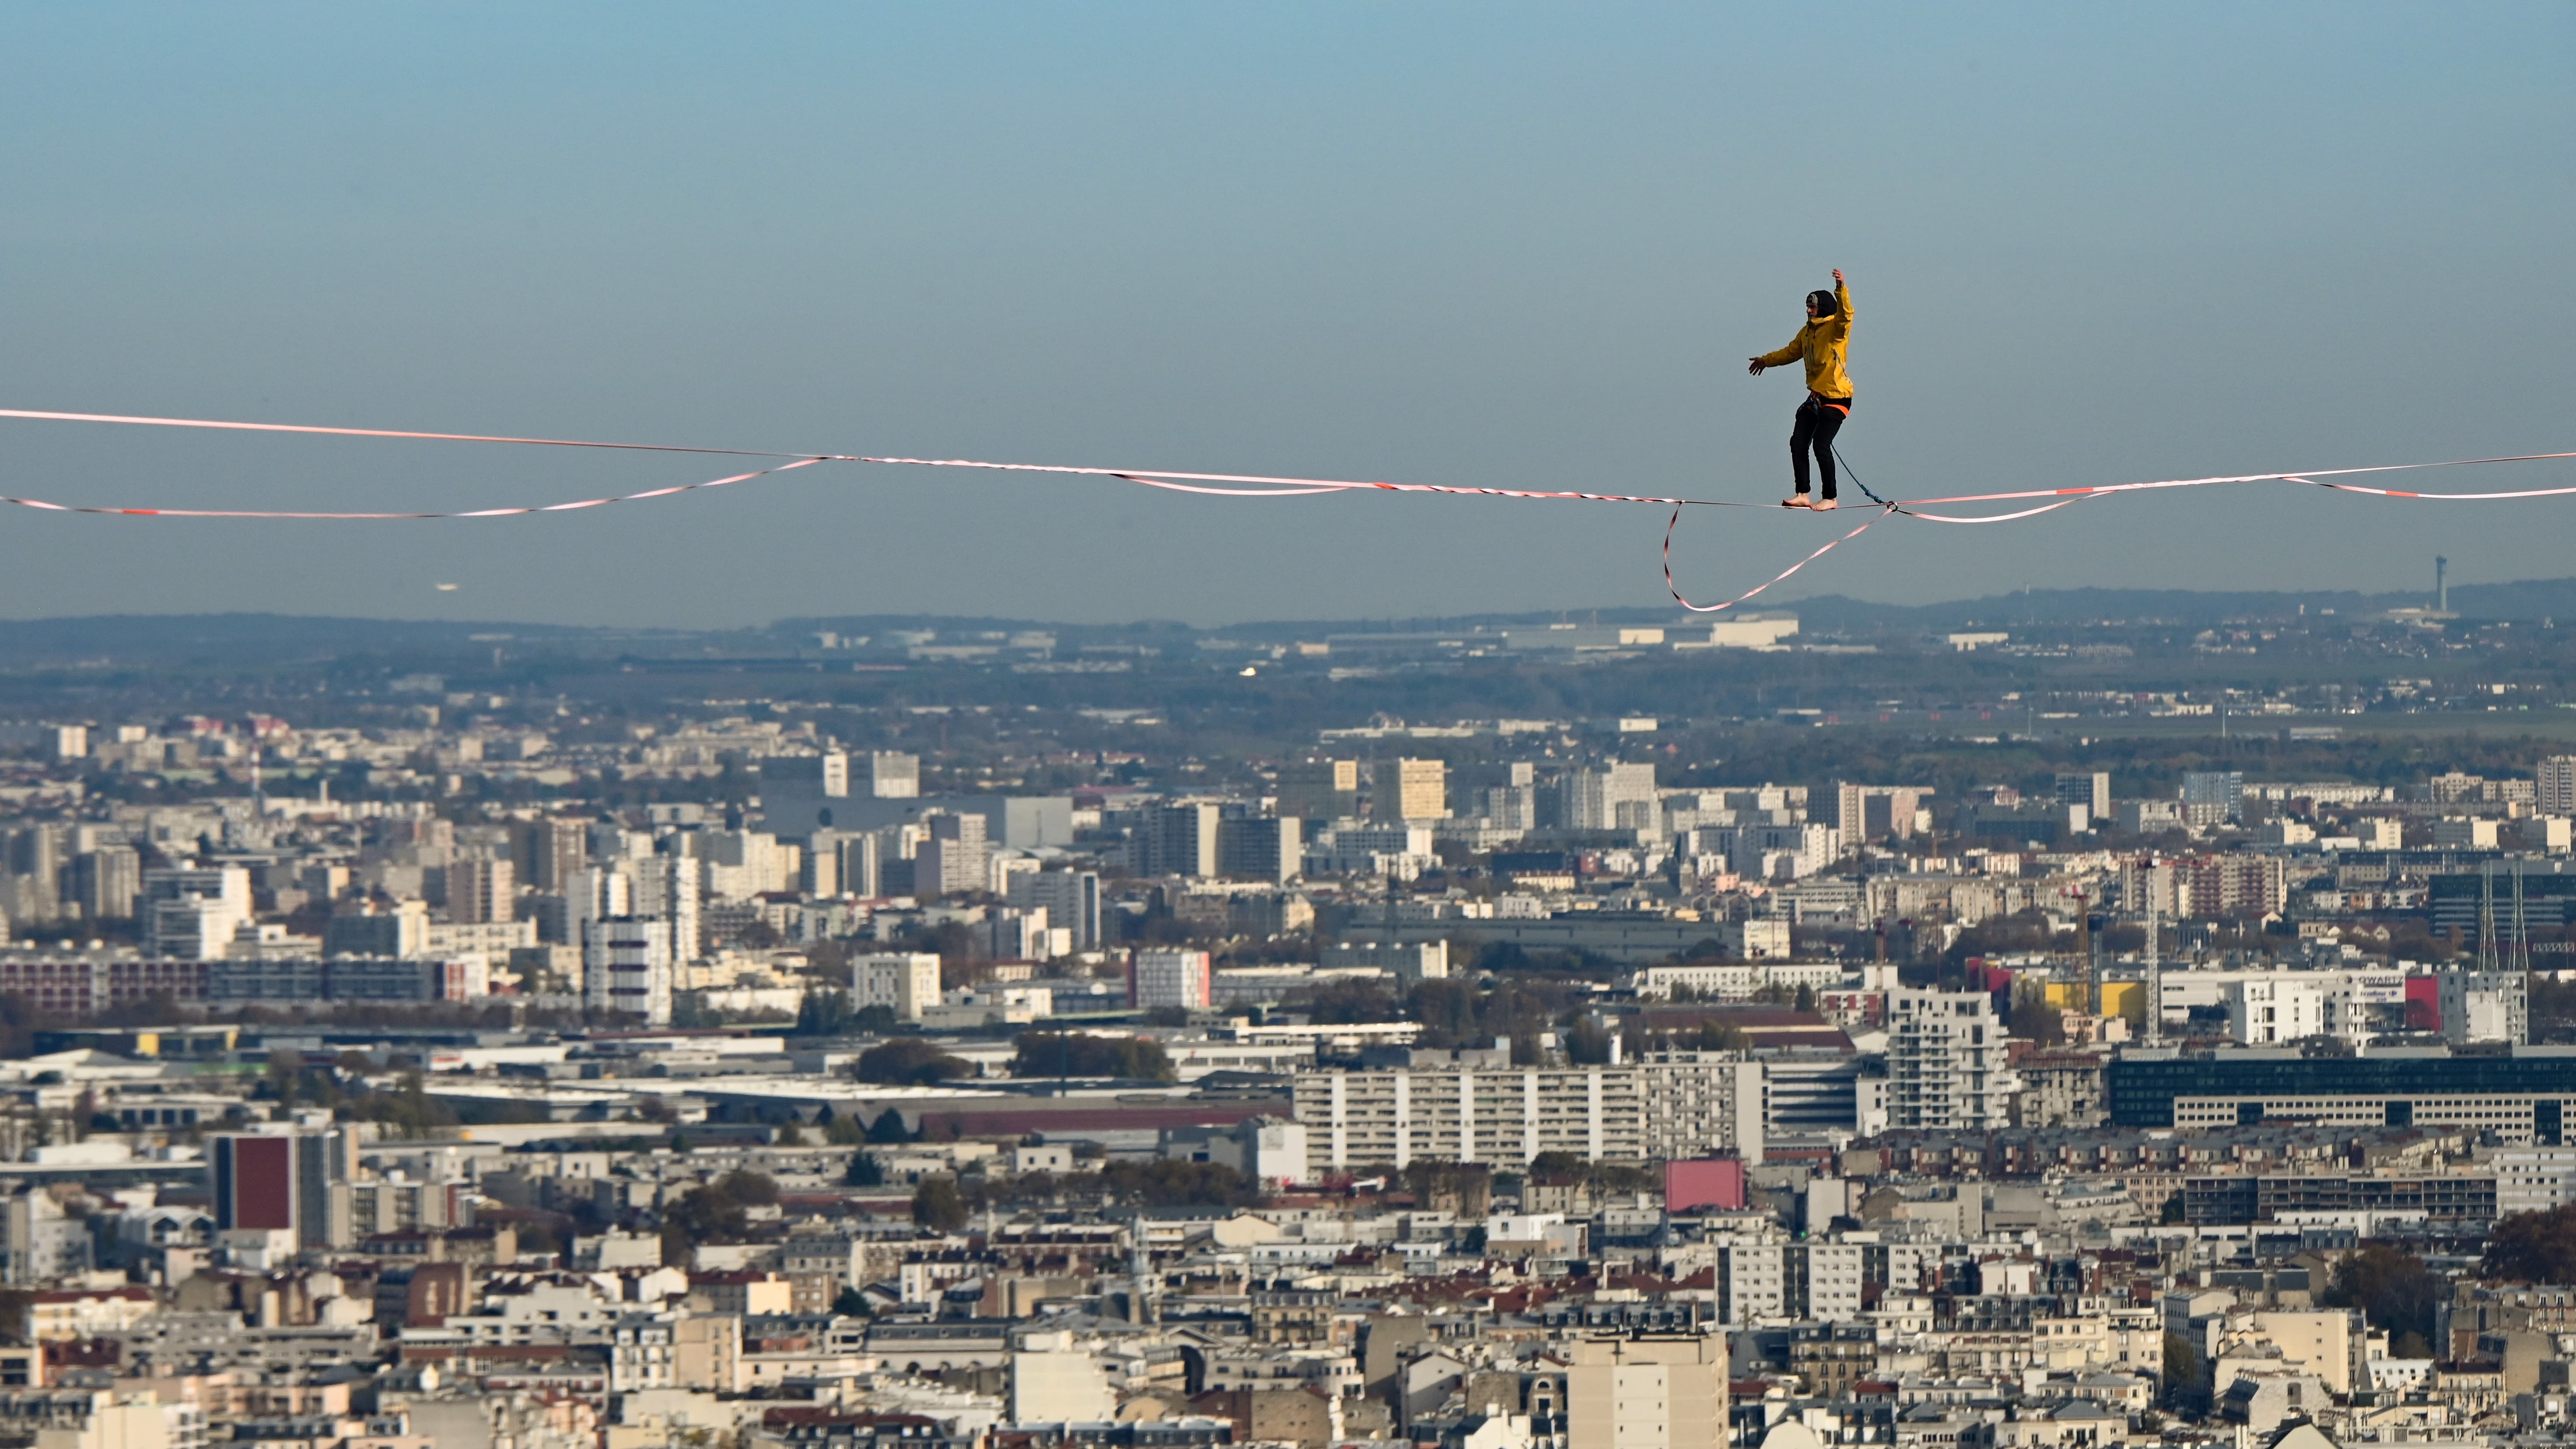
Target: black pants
1819, 418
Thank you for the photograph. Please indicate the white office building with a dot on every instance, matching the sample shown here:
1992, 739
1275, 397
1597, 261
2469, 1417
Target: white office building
1748, 631
1409, 962
627, 966
594, 894
2557, 792
1261, 847
2534, 1179
1646, 1392
190, 914
194, 928
1613, 797
1053, 1382
2213, 797
892, 776
227, 883
1740, 981
1753, 1282
666, 888
954, 856
2485, 1006
1070, 898
2277, 1007
905, 982
1013, 934
1168, 978
2354, 1003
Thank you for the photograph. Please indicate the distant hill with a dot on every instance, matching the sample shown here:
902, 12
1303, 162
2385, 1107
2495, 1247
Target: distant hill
251, 639
2526, 599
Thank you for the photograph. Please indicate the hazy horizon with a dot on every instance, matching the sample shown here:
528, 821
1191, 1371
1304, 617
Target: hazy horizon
1574, 613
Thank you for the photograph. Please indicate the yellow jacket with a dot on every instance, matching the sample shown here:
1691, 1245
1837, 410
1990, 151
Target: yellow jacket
1823, 342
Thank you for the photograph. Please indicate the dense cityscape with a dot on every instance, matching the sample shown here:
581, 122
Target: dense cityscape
2062, 1020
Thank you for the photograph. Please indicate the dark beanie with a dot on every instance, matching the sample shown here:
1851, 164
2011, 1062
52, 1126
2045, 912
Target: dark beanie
1824, 303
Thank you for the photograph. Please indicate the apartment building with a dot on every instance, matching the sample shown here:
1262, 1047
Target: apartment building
1698, 1103
1946, 1066
1471, 1114
1670, 1105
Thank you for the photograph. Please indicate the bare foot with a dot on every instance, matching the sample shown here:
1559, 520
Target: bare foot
1824, 505
1797, 501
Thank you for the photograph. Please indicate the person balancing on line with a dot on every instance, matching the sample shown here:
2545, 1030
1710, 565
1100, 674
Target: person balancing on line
1821, 344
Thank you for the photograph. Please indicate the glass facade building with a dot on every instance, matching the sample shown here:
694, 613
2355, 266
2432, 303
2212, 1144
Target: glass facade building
2141, 1089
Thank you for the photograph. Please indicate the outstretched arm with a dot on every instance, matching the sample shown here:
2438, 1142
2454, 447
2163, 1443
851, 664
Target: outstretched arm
1842, 296
1795, 351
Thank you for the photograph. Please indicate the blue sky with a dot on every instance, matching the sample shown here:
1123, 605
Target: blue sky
1507, 245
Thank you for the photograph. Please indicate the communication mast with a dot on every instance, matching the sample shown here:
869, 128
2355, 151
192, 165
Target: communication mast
2155, 956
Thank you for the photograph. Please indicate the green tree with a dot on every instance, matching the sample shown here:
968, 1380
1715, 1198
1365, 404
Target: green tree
850, 1303
2534, 1247
285, 1075
1710, 1034
864, 1171
2553, 1006
1437, 1185
2172, 1212
1522, 1009
719, 1211
1446, 1007
1080, 1054
2393, 1288
2182, 1367
1168, 1182
407, 1109
17, 1314
889, 1128
938, 1206
752, 1189
948, 939
909, 1061
824, 1011
1587, 1044
1344, 1003
1806, 997
2036, 1020
704, 1215
1606, 1176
